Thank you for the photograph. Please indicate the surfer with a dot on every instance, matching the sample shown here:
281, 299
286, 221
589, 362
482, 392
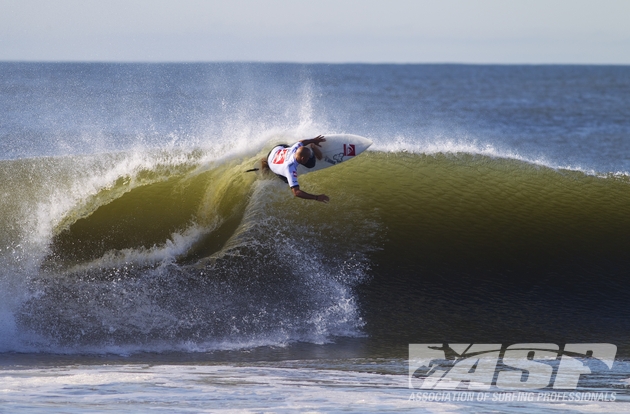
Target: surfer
283, 160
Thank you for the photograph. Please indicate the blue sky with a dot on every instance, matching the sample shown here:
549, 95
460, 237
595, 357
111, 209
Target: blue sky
333, 31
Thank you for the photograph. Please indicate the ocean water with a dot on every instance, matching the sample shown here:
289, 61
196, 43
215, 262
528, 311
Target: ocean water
142, 268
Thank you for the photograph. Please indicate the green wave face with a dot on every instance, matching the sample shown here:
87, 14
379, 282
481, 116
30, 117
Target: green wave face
465, 207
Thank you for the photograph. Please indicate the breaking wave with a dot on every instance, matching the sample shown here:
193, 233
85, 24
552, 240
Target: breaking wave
176, 250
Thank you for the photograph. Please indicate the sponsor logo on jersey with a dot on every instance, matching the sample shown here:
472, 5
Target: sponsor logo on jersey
280, 156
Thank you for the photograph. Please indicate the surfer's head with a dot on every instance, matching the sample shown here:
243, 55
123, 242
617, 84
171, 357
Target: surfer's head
303, 154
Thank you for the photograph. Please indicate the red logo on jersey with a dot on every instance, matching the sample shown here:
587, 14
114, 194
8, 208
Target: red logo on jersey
349, 150
279, 157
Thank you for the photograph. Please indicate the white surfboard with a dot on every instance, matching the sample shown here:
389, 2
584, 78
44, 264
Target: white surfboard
336, 149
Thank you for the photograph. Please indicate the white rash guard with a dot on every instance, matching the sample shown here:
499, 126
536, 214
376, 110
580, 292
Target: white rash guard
282, 162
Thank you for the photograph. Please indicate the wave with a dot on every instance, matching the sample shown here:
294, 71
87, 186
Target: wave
172, 251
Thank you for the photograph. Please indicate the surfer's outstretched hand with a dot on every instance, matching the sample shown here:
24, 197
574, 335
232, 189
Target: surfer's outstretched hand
323, 198
318, 139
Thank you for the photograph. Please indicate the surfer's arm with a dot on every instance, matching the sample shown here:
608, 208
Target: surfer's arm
317, 140
307, 196
316, 151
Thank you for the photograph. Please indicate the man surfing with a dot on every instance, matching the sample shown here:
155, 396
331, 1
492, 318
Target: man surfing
283, 160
